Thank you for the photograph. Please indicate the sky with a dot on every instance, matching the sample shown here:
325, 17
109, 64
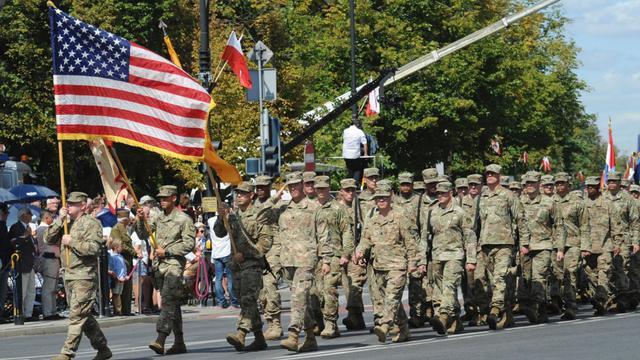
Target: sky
608, 34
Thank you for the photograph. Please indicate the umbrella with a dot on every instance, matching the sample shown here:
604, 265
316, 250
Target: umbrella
12, 218
7, 197
27, 193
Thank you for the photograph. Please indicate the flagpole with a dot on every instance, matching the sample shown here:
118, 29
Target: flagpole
63, 197
224, 219
133, 193
224, 65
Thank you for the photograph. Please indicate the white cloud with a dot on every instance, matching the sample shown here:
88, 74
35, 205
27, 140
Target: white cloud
604, 18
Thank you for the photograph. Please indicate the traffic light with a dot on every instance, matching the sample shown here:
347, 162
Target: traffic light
272, 149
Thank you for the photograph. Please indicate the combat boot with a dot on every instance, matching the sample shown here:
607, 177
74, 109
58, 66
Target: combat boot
317, 330
330, 330
158, 345
555, 306
103, 354
456, 326
598, 308
439, 323
381, 332
274, 330
309, 343
291, 342
237, 339
507, 320
354, 320
258, 343
542, 314
531, 312
415, 322
428, 313
469, 313
492, 319
569, 314
403, 334
394, 330
61, 357
478, 320
178, 346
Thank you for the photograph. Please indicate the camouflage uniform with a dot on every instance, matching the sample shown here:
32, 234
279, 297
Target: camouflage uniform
451, 229
80, 261
499, 211
625, 232
599, 264
470, 205
546, 227
335, 242
299, 256
251, 233
576, 224
176, 234
269, 296
392, 241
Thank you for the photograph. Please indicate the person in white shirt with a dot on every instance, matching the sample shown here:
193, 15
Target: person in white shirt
221, 259
49, 268
354, 141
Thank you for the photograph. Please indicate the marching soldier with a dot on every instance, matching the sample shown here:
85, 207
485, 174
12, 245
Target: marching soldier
462, 189
516, 188
419, 187
572, 209
332, 220
175, 237
407, 199
308, 178
545, 225
499, 210
625, 232
598, 253
251, 233
80, 251
392, 240
453, 240
269, 295
355, 275
470, 207
297, 237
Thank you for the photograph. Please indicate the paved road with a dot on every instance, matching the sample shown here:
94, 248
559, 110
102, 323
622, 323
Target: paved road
610, 337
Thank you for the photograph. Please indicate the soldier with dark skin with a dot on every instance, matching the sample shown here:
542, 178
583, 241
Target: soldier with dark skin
251, 233
175, 238
79, 256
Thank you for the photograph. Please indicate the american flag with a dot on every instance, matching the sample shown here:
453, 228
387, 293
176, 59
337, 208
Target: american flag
108, 87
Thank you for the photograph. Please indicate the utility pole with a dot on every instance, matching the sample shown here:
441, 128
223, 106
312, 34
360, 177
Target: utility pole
205, 68
352, 25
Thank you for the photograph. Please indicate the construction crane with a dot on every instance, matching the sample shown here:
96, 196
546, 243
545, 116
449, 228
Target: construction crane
322, 115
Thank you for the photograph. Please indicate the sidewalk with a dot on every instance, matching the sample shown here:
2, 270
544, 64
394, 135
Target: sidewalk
60, 326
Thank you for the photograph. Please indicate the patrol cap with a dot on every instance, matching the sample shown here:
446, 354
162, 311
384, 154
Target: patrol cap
514, 185
293, 178
626, 182
405, 178
494, 168
371, 172
462, 182
167, 190
321, 181
592, 181
123, 213
530, 176
547, 180
385, 182
263, 180
474, 179
444, 187
615, 176
634, 188
504, 180
348, 184
308, 176
443, 178
146, 200
382, 190
245, 186
562, 177
430, 175
418, 185
77, 196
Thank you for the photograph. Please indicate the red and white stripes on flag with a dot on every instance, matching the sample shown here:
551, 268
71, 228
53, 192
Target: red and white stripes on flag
108, 87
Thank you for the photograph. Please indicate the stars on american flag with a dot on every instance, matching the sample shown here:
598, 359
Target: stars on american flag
82, 49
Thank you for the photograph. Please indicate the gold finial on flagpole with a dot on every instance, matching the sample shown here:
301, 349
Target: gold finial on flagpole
51, 4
